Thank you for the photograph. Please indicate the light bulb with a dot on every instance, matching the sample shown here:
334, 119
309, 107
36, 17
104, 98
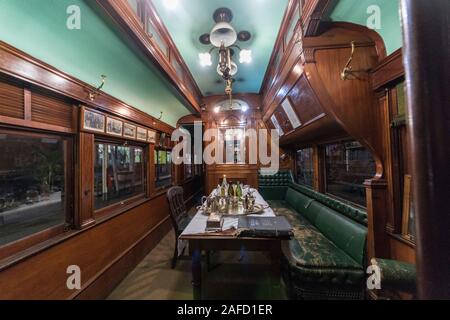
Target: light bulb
245, 56
171, 4
217, 109
205, 59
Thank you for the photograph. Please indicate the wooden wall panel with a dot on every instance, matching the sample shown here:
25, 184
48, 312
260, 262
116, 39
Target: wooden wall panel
53, 110
20, 65
85, 175
43, 276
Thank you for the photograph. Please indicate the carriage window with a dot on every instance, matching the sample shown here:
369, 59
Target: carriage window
348, 165
305, 167
35, 178
163, 162
119, 173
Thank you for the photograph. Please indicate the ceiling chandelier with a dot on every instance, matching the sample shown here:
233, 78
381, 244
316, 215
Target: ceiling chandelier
224, 37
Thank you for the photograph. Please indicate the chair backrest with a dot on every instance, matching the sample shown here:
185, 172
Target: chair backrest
175, 197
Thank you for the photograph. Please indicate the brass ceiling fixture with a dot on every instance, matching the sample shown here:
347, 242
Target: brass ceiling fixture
223, 37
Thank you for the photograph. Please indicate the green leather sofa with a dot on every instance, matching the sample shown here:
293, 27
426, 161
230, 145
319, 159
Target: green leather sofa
326, 258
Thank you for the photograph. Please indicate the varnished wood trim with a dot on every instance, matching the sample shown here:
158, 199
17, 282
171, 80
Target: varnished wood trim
313, 14
43, 246
27, 104
34, 125
94, 287
388, 70
120, 12
20, 65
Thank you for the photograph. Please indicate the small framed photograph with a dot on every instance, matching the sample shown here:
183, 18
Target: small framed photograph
129, 131
93, 121
141, 134
114, 126
151, 136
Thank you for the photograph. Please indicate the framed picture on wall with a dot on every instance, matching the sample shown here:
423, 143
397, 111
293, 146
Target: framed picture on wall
151, 136
408, 219
93, 121
141, 134
129, 131
114, 126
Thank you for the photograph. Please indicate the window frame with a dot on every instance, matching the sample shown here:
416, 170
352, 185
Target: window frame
325, 175
115, 207
47, 234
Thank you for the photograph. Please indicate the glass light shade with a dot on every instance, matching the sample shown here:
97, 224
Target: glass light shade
245, 56
234, 69
223, 33
171, 4
205, 59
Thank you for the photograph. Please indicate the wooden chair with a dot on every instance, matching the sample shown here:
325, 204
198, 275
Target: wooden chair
179, 216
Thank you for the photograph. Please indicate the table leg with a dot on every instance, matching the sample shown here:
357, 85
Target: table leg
197, 273
275, 270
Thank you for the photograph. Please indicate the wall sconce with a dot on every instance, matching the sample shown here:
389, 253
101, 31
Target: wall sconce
94, 94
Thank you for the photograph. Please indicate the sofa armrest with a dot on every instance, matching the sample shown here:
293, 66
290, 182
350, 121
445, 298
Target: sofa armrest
397, 275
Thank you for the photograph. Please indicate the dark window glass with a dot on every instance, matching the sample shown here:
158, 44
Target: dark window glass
163, 163
348, 165
188, 168
34, 177
119, 173
305, 167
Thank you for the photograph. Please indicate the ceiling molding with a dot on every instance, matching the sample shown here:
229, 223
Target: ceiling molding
131, 26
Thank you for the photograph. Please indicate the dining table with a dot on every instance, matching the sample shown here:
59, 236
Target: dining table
229, 238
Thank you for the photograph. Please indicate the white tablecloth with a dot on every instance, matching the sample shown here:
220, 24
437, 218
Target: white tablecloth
198, 223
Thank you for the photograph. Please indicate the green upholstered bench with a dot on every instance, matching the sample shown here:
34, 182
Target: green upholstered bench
274, 187
326, 258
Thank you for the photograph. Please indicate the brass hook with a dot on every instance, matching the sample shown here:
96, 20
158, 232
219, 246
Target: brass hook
348, 68
94, 94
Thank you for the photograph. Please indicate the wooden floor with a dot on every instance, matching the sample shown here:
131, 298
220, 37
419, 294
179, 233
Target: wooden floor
233, 275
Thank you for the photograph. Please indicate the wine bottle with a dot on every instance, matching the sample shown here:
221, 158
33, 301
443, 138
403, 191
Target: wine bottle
239, 190
224, 181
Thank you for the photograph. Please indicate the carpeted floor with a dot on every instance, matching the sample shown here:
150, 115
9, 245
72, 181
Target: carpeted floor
231, 277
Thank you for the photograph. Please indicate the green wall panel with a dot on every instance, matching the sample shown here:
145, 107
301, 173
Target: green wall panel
38, 27
356, 11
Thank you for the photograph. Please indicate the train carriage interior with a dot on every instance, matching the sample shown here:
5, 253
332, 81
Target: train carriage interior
224, 150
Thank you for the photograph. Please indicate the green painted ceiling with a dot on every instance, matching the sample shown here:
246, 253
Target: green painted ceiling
38, 27
356, 11
192, 18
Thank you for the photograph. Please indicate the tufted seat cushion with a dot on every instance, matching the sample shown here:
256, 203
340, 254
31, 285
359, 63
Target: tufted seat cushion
315, 258
351, 212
